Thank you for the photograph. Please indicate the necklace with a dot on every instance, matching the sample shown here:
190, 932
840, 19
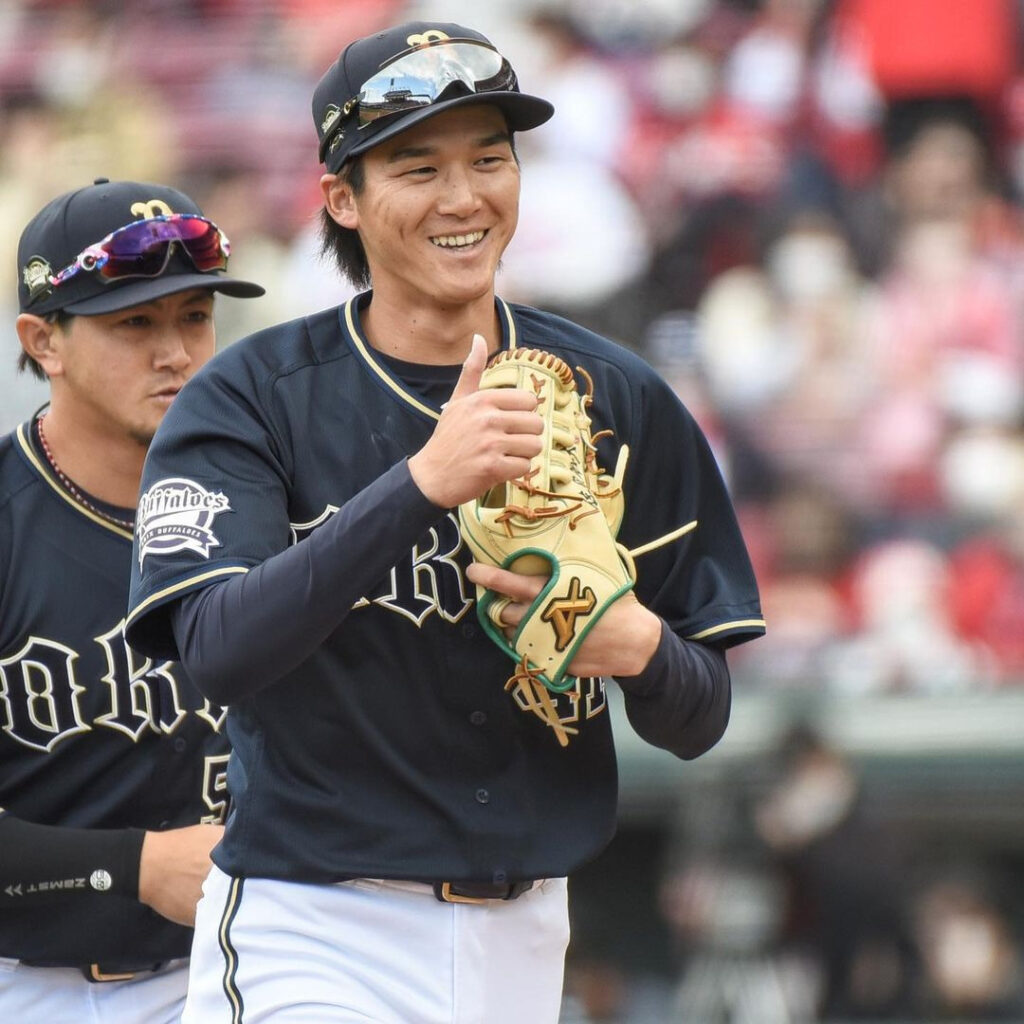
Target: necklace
124, 524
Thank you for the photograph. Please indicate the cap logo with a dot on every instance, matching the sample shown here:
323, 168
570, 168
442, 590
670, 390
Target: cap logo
432, 35
151, 208
36, 276
331, 114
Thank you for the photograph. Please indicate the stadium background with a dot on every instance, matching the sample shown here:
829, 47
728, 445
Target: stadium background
807, 214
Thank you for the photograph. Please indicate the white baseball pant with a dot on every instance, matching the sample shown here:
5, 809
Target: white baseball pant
62, 995
374, 951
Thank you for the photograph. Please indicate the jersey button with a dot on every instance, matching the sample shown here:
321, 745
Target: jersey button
180, 744
478, 717
482, 796
469, 631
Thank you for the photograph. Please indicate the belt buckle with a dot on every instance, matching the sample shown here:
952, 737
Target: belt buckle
453, 897
95, 973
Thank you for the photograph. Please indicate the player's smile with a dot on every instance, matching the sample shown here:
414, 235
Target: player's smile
467, 240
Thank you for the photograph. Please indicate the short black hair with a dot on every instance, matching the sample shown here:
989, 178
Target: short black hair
25, 361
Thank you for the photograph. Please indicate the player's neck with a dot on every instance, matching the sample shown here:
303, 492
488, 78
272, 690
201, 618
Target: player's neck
106, 466
429, 334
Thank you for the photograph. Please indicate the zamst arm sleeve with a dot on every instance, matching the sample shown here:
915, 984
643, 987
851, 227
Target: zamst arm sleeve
47, 864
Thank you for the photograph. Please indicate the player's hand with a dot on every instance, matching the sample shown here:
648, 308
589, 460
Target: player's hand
173, 867
621, 643
483, 438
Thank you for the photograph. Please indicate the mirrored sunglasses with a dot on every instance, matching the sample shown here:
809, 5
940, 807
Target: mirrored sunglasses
419, 77
143, 249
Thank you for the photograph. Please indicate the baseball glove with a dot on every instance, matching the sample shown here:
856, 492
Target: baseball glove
559, 520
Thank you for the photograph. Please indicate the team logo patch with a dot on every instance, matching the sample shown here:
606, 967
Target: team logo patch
36, 275
177, 515
331, 114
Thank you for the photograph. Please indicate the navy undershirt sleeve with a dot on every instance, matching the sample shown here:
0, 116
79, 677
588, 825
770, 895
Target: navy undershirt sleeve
681, 701
240, 635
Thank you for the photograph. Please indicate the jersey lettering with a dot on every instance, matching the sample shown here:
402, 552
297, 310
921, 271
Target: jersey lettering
141, 696
429, 580
213, 714
42, 704
40, 694
585, 700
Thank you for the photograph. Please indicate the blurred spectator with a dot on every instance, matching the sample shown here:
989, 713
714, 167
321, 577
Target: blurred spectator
806, 540
905, 638
593, 104
970, 950
559, 256
948, 336
845, 880
783, 345
987, 571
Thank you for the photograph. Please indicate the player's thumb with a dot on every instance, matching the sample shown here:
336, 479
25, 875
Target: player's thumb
472, 368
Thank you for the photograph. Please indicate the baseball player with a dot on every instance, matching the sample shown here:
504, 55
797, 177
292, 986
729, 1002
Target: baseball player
111, 763
400, 831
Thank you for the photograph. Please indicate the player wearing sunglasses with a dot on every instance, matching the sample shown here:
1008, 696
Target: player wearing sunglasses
111, 765
401, 832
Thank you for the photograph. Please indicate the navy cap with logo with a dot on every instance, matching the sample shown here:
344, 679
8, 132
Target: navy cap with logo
385, 83
116, 244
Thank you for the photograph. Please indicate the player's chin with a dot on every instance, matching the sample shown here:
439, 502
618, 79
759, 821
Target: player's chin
143, 428
463, 284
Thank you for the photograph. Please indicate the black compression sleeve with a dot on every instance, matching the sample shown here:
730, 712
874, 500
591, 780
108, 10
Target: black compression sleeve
242, 634
52, 864
681, 701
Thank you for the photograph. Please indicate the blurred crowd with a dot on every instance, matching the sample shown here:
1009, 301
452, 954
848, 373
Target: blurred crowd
806, 213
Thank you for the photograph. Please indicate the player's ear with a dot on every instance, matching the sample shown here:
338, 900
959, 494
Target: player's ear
339, 200
38, 339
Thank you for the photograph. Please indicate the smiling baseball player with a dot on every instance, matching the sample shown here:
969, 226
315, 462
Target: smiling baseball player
401, 831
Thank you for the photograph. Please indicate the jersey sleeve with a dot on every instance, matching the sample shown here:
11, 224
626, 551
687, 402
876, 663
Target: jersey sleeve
213, 500
699, 580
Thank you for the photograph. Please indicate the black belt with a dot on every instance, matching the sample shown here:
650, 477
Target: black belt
479, 892
105, 972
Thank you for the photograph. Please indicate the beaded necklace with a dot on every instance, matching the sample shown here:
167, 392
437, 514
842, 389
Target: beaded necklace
124, 524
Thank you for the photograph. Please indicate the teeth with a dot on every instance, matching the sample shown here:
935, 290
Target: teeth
452, 241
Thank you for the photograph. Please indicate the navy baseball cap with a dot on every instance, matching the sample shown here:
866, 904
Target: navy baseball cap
385, 83
116, 244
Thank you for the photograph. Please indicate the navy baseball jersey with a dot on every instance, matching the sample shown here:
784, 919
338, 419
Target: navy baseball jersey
390, 748
94, 735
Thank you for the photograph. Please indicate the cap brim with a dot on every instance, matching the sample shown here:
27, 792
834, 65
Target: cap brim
522, 112
137, 293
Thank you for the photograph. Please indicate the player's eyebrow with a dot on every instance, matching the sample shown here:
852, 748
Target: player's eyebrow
415, 152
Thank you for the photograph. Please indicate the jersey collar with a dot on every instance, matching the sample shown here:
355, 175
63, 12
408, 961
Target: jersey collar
40, 465
353, 332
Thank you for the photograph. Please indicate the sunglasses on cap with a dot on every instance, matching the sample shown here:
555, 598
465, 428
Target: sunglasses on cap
143, 249
418, 77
